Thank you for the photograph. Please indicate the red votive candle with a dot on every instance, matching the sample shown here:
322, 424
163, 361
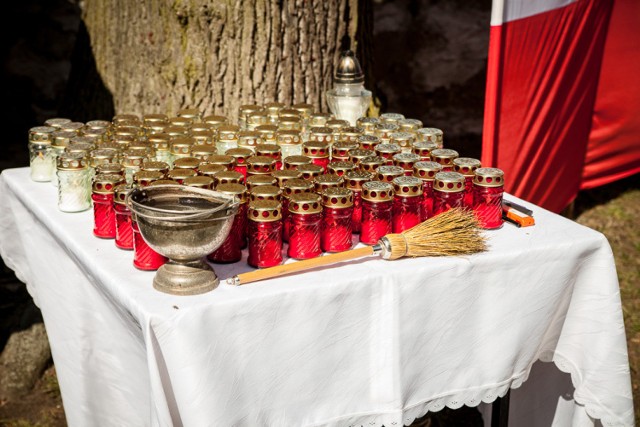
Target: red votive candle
265, 233
467, 167
231, 249
377, 211
337, 212
448, 192
144, 258
104, 215
445, 157
291, 187
318, 152
305, 217
354, 181
124, 233
270, 150
426, 171
241, 155
487, 197
407, 203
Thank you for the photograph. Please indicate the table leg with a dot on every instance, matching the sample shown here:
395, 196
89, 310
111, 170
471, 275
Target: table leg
500, 411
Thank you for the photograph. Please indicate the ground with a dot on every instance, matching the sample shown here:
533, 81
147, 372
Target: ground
613, 210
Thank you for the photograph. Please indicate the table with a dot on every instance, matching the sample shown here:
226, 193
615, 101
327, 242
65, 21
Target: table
366, 343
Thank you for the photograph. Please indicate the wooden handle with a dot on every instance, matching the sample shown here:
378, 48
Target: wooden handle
307, 264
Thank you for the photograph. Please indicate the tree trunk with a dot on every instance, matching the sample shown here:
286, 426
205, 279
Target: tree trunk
215, 55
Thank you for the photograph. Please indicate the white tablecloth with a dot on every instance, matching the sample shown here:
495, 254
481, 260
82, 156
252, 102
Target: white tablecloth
366, 343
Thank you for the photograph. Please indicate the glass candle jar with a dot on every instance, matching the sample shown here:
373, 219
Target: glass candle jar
321, 134
387, 173
124, 232
357, 155
384, 130
290, 142
377, 211
291, 187
292, 162
267, 133
181, 147
467, 167
340, 167
155, 166
258, 180
445, 157
241, 155
371, 163
256, 119
368, 142
368, 124
74, 183
431, 134
310, 171
305, 218
145, 177
406, 162
337, 213
229, 162
340, 150
132, 162
403, 139
61, 140
424, 149
265, 192
210, 170
488, 188
319, 119
260, 165
227, 177
244, 111
282, 176
448, 192
160, 142
41, 161
318, 151
387, 151
270, 150
231, 249
264, 233
323, 182
273, 109
426, 171
203, 152
179, 175
144, 258
229, 136
248, 140
350, 133
393, 118
409, 125
407, 203
354, 181
104, 219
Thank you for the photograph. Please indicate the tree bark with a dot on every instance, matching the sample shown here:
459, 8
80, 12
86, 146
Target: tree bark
215, 55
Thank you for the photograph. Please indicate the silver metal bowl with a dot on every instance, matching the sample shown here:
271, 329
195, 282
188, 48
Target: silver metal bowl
184, 224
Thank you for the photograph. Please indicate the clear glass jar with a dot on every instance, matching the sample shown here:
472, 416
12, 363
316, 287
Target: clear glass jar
41, 161
74, 183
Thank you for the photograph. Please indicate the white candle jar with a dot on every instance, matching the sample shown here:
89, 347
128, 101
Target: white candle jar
41, 161
74, 183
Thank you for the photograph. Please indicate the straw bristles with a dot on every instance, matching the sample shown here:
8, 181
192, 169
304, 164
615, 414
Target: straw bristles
451, 233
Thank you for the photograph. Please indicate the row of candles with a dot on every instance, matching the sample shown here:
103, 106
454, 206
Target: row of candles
372, 179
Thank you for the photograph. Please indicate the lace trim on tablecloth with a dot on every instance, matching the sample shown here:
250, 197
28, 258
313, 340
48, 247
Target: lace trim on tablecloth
473, 397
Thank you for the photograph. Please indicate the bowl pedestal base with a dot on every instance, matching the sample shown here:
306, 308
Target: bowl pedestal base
192, 278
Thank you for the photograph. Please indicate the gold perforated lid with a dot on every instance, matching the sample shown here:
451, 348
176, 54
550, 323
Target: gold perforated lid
350, 133
41, 134
97, 124
145, 178
203, 137
79, 147
337, 125
162, 167
257, 118
407, 186
123, 140
232, 132
405, 160
98, 135
297, 185
310, 171
140, 145
120, 194
215, 121
267, 132
201, 127
265, 192
489, 177
203, 152
368, 124
288, 137
409, 125
322, 134
182, 146
110, 168
258, 180
305, 203
273, 108
56, 122
341, 149
431, 134
393, 118
337, 197
288, 112
304, 109
318, 119
181, 174
176, 131
466, 165
377, 191
384, 130
72, 127
228, 162
403, 139
264, 211
340, 167
444, 156
101, 156
247, 109
355, 178
292, 162
249, 139
358, 154
426, 170
368, 142
164, 182
182, 122
371, 163
449, 182
387, 172
423, 149
261, 165
240, 154
238, 190
290, 123
200, 181
285, 175
132, 131
322, 182
61, 139
120, 118
187, 163
316, 149
210, 169
190, 113
106, 183
387, 150
155, 128
269, 150
153, 119
228, 177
